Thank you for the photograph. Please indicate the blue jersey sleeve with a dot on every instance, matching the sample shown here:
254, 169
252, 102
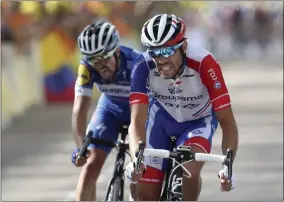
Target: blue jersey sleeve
139, 81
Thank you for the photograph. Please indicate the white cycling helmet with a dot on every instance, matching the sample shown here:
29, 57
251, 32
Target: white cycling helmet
163, 30
98, 39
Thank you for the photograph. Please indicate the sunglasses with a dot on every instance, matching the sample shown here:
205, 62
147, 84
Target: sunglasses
100, 59
165, 52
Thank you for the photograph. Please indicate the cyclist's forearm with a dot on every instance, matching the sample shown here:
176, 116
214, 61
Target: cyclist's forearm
79, 118
79, 122
230, 138
137, 132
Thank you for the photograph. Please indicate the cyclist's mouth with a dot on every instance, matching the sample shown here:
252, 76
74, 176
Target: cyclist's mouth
165, 68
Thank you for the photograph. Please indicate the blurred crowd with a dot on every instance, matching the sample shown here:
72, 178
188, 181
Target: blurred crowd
252, 31
227, 29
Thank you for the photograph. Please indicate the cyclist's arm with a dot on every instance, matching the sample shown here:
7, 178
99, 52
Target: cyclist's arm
138, 104
137, 126
83, 93
229, 129
79, 118
212, 77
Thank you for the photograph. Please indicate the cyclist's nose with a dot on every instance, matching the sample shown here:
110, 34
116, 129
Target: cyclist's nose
101, 64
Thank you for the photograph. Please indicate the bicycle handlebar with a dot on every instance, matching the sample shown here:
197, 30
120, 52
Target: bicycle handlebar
161, 153
89, 139
189, 155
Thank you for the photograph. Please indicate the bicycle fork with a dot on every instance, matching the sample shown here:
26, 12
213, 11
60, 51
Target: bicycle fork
173, 187
175, 183
118, 172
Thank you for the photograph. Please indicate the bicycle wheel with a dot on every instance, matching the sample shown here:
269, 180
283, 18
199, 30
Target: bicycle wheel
115, 193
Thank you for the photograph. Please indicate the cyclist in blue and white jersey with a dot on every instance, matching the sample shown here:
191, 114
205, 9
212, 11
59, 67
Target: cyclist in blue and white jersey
108, 65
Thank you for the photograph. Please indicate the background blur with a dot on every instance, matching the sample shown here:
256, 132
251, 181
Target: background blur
39, 59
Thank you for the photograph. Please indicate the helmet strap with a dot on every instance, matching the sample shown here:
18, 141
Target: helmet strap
182, 66
117, 62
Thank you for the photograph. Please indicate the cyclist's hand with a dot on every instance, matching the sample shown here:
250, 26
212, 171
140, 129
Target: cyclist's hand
225, 184
133, 176
77, 162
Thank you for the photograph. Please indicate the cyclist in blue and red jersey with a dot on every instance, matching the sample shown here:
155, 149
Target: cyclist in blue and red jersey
189, 98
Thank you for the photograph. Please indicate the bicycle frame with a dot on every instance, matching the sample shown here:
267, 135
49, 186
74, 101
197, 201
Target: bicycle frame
118, 168
175, 183
172, 190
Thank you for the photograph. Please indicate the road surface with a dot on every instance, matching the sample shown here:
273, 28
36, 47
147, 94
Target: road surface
36, 149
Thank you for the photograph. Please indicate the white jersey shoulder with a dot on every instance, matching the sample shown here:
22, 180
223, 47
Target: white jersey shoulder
196, 53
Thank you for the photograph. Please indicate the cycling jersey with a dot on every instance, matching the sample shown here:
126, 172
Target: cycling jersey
196, 93
120, 90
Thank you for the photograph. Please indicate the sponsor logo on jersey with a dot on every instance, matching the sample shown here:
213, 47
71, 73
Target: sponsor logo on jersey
187, 106
217, 84
212, 74
173, 89
150, 180
197, 132
114, 90
138, 64
83, 75
222, 106
124, 74
155, 160
175, 98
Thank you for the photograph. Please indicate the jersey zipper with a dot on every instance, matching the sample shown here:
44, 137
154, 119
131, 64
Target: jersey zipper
178, 102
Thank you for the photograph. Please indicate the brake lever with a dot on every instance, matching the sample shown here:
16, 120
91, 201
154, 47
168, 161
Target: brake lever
85, 144
139, 156
228, 170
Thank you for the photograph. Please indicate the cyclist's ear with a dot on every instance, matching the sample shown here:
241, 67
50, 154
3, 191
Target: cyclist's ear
184, 46
117, 52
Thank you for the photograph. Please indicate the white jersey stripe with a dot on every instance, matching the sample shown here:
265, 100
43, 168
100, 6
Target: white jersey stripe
219, 97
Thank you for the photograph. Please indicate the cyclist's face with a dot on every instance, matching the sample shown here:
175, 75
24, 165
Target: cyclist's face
106, 67
169, 66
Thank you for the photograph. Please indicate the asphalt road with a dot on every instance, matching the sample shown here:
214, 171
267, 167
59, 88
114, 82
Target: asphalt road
36, 148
